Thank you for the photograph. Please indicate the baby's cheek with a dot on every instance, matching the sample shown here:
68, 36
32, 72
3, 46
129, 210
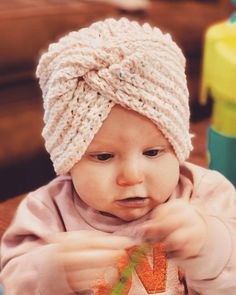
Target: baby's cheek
164, 187
171, 176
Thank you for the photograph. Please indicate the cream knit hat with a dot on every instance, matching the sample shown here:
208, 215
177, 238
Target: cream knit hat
87, 72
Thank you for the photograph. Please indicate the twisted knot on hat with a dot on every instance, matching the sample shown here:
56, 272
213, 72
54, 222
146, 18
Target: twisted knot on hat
87, 72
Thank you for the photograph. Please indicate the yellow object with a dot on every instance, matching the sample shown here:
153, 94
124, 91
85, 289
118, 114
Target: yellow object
219, 75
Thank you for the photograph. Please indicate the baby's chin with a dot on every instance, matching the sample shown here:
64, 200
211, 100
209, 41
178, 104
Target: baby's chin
123, 217
133, 215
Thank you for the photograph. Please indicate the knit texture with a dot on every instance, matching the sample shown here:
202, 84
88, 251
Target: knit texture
87, 72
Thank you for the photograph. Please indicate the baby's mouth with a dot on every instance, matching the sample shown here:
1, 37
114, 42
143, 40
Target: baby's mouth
134, 201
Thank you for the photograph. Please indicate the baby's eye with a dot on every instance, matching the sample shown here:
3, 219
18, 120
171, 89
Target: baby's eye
103, 157
151, 153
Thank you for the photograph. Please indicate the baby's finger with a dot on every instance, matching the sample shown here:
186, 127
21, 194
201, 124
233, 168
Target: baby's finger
176, 241
63, 236
178, 254
172, 207
75, 241
155, 231
94, 258
81, 287
89, 278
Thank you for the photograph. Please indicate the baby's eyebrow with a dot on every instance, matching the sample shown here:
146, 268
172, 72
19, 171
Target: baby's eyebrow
101, 143
156, 140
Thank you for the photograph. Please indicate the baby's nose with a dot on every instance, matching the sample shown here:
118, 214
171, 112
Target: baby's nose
130, 174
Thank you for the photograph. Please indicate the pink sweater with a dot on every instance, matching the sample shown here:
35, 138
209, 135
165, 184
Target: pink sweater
28, 267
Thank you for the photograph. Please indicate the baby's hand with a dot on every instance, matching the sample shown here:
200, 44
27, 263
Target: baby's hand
179, 226
89, 256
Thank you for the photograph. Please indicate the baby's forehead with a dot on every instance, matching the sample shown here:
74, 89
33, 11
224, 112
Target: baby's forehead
127, 127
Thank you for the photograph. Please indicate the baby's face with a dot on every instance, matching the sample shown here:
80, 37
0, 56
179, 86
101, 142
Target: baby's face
129, 167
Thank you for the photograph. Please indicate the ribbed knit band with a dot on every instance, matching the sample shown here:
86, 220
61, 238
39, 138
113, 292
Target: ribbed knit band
87, 72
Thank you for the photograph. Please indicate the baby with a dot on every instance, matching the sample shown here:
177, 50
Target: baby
117, 130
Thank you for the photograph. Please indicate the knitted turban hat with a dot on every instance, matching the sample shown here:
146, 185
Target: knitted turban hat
87, 72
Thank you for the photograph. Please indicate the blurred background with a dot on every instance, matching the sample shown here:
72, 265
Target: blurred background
26, 29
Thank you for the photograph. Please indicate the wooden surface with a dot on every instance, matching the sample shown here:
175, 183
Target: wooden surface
7, 211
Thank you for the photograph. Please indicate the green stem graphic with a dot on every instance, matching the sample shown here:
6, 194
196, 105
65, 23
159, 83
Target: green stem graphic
125, 275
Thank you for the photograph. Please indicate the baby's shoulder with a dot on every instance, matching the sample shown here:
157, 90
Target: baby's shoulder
198, 173
206, 180
58, 188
